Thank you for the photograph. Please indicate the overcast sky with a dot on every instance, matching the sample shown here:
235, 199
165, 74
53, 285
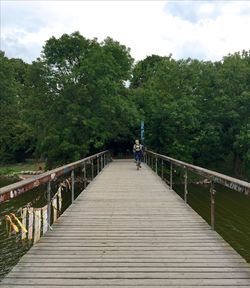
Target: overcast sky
206, 30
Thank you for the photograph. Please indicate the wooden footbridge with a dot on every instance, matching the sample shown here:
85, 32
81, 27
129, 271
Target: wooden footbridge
129, 229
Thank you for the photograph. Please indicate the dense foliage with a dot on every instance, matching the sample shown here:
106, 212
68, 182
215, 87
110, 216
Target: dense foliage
197, 111
76, 99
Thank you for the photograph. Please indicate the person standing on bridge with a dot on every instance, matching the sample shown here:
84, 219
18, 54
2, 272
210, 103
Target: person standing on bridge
138, 153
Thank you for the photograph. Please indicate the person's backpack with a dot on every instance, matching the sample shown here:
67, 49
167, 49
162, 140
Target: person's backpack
137, 147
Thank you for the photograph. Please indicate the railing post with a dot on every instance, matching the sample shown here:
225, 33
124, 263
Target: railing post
171, 175
48, 203
84, 175
161, 168
72, 186
185, 185
98, 164
101, 162
92, 169
156, 165
212, 193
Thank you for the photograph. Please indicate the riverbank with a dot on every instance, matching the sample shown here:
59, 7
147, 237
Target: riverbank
21, 171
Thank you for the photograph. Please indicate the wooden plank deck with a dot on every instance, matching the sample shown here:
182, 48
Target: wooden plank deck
128, 229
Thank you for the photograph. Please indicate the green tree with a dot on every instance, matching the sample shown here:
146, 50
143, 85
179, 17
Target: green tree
81, 96
14, 133
234, 103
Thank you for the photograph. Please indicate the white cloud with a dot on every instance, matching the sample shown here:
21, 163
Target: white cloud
197, 29
207, 9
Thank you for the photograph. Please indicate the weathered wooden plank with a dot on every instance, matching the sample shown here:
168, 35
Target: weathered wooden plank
134, 258
130, 247
131, 263
127, 240
125, 286
113, 251
131, 282
132, 269
128, 275
83, 245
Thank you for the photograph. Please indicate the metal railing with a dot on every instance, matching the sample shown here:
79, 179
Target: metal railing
156, 161
16, 189
30, 207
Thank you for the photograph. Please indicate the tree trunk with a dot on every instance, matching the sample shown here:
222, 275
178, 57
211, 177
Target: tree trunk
237, 165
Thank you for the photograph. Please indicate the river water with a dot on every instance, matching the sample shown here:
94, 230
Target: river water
232, 213
4, 181
12, 247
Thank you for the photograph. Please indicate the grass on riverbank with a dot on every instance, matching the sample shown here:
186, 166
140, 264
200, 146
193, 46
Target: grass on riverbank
15, 168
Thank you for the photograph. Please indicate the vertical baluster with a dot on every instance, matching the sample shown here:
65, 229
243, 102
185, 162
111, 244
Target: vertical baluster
171, 175
84, 175
212, 193
48, 202
72, 186
97, 160
161, 168
185, 185
92, 169
156, 165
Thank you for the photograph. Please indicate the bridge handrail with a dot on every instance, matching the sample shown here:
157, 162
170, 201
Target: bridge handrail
216, 177
15, 189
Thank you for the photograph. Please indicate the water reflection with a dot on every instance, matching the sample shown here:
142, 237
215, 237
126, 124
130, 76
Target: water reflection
11, 246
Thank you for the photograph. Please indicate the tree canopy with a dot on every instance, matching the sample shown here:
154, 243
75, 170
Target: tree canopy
82, 95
